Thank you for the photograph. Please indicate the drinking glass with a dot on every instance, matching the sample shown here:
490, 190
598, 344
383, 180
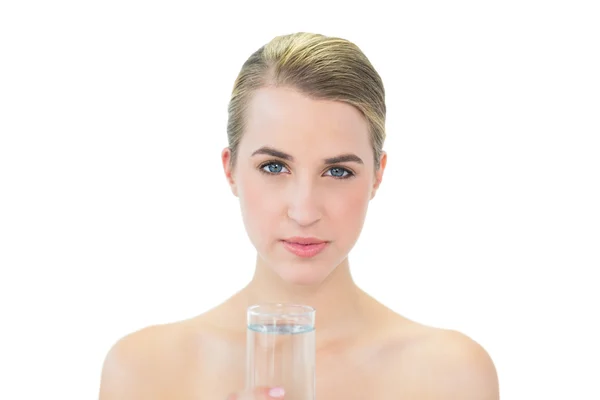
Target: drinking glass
280, 349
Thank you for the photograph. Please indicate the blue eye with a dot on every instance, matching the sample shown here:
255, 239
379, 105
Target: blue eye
340, 173
273, 168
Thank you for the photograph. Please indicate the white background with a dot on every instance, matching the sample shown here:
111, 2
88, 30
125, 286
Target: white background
115, 215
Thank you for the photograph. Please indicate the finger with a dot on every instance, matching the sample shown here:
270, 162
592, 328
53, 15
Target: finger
261, 393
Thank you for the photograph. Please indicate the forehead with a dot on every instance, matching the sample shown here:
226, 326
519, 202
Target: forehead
290, 121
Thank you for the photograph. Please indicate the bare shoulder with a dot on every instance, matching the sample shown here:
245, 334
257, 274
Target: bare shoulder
442, 364
137, 365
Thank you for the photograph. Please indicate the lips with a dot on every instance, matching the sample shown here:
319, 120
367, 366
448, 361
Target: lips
304, 240
304, 247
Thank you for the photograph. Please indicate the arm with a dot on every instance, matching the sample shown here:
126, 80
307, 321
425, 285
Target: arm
126, 374
468, 373
447, 366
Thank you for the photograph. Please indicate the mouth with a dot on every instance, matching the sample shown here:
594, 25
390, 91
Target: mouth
304, 247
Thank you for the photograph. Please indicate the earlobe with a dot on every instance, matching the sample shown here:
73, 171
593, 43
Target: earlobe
226, 161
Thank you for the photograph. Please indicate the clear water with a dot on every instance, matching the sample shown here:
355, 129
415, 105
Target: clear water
282, 355
280, 329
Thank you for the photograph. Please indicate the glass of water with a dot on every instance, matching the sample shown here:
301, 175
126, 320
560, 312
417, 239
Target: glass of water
280, 349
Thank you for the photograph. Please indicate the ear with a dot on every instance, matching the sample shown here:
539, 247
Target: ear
226, 160
379, 173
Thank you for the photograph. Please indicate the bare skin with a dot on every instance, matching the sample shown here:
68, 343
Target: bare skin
364, 349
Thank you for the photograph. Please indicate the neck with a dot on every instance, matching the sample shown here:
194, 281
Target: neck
338, 301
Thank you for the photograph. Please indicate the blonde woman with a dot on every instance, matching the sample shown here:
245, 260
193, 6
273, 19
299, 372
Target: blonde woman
305, 157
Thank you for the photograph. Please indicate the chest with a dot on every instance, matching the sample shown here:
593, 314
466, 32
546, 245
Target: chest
339, 375
338, 384
214, 367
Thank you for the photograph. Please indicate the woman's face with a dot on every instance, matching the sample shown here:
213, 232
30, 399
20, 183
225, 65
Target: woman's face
291, 186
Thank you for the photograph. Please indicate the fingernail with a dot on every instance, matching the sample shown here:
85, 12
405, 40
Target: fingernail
277, 393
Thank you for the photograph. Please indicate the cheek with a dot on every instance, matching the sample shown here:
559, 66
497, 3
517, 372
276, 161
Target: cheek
348, 211
259, 205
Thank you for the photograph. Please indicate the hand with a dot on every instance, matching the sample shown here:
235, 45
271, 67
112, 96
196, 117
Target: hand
262, 393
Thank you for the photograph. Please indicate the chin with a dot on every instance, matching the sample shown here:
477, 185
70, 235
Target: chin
303, 273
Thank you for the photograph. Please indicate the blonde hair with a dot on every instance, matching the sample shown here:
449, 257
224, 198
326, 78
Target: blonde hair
321, 67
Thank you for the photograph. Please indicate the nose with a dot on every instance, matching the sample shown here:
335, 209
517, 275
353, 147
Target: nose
304, 203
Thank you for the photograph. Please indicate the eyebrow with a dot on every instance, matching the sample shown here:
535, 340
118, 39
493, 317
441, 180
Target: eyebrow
349, 157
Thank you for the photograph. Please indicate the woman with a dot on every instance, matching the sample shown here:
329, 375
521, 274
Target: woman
305, 157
